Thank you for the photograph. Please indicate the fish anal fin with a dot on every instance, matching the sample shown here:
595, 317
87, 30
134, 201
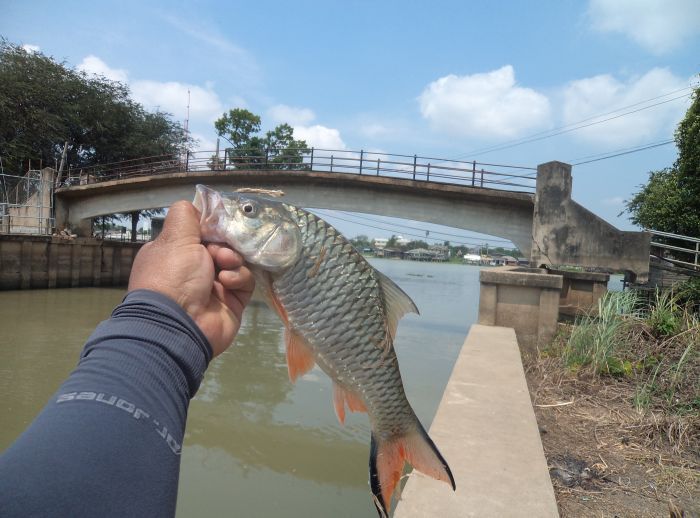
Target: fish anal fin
342, 397
396, 301
387, 459
300, 357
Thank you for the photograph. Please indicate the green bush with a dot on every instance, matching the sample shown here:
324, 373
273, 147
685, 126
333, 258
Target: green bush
599, 338
688, 293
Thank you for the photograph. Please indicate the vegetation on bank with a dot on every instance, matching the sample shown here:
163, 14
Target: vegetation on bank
652, 345
670, 200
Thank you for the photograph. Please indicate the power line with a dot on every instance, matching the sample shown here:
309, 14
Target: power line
461, 243
568, 127
421, 229
651, 146
610, 151
581, 126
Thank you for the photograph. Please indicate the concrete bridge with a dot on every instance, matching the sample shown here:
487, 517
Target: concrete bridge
548, 224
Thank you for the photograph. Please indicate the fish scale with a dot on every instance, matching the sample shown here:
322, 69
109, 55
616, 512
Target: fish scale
370, 368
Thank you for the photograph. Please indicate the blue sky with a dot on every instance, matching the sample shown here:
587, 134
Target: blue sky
442, 78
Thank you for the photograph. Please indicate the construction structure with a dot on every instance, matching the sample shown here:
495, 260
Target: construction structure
26, 203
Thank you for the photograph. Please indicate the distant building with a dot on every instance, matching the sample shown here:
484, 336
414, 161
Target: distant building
427, 254
380, 242
472, 258
387, 252
503, 260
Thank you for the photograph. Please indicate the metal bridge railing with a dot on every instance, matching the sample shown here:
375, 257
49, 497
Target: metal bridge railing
412, 167
675, 245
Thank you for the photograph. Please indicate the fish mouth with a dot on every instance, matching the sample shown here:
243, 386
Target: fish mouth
207, 201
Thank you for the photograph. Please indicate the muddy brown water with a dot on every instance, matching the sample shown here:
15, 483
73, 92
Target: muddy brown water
255, 445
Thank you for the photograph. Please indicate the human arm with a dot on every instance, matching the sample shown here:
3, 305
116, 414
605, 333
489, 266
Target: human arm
108, 442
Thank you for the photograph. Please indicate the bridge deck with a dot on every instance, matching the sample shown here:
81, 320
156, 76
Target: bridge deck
486, 429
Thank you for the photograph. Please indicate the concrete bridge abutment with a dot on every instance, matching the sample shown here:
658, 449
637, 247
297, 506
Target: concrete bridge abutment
566, 233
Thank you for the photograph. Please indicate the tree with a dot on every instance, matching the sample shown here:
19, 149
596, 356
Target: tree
284, 152
238, 126
670, 200
44, 104
277, 149
687, 138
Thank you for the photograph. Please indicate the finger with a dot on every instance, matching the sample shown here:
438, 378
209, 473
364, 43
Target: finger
224, 257
181, 224
240, 279
230, 300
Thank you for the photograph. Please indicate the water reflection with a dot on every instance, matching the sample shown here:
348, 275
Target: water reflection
256, 445
236, 410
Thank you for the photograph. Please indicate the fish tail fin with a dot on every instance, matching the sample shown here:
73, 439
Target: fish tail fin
387, 458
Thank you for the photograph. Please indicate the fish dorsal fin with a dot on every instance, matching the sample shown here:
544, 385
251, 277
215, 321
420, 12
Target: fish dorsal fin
396, 301
300, 358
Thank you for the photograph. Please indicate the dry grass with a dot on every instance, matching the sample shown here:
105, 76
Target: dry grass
636, 460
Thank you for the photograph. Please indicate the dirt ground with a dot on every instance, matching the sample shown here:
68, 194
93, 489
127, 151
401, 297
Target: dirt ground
606, 459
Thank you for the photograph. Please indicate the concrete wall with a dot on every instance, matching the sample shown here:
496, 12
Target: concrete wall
486, 429
566, 233
28, 262
33, 216
526, 299
580, 291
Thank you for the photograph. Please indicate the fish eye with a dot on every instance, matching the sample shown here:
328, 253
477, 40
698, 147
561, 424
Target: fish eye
249, 209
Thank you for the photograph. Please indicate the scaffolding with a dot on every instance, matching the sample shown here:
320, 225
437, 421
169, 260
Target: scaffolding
26, 203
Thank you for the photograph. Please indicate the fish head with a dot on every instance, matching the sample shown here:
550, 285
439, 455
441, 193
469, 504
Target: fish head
258, 228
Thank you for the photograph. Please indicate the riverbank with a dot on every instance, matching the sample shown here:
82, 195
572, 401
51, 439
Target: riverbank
617, 401
38, 262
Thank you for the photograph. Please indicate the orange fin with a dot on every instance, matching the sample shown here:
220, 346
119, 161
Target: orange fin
300, 357
387, 459
343, 396
277, 306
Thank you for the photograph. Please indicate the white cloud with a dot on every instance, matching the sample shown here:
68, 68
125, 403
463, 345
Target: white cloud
204, 144
593, 96
658, 25
282, 113
94, 65
484, 105
171, 97
300, 119
319, 136
31, 49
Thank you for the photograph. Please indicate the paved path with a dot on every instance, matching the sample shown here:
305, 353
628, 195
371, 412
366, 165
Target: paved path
486, 429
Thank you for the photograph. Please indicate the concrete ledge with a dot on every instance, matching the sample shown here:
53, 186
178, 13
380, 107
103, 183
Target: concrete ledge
486, 429
516, 276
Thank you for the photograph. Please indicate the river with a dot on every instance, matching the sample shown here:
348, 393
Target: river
256, 445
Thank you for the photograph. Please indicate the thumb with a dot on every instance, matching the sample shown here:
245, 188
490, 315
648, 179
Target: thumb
182, 224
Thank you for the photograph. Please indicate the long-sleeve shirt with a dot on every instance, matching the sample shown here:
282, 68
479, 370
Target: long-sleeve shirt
108, 442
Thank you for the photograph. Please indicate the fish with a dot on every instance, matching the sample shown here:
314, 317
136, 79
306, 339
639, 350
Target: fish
339, 313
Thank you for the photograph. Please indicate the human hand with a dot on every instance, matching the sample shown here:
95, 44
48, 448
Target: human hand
179, 266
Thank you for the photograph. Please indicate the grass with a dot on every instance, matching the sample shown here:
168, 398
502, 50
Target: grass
654, 347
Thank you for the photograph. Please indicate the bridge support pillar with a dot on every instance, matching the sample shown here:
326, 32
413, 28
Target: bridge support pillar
566, 233
83, 227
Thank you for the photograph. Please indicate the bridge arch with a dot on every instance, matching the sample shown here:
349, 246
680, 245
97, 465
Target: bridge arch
499, 213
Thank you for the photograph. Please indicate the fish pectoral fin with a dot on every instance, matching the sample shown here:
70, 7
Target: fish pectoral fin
300, 357
343, 396
397, 303
387, 459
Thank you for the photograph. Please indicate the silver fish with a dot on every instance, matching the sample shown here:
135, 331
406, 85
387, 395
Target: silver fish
338, 312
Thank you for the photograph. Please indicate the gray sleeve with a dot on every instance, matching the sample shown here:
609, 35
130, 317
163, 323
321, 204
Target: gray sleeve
108, 442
